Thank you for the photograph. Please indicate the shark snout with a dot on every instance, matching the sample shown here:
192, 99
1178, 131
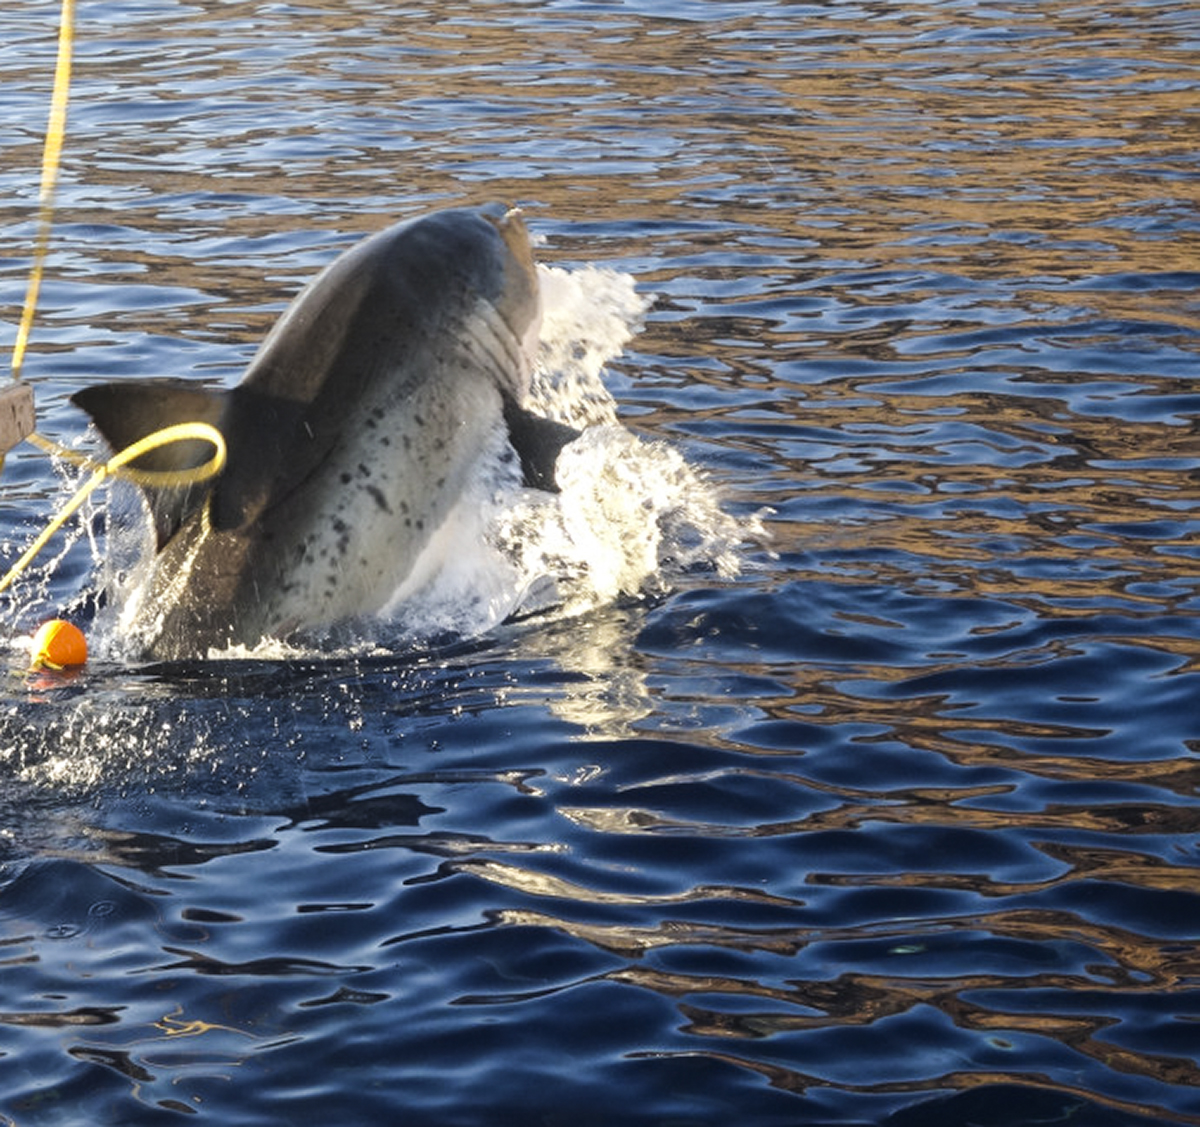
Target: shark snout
518, 300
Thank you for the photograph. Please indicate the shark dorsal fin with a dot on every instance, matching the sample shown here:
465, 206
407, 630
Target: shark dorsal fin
257, 430
128, 411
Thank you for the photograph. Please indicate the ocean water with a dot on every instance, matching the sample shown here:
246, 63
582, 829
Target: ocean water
850, 774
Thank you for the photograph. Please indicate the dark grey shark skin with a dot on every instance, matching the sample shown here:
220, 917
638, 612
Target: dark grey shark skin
350, 436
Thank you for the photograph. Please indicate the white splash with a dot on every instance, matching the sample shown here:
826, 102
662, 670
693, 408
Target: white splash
630, 512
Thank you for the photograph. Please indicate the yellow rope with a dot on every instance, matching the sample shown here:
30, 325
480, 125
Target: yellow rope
153, 479
114, 467
50, 159
118, 464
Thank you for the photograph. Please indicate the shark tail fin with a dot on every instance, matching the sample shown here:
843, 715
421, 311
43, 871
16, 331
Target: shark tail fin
129, 410
538, 442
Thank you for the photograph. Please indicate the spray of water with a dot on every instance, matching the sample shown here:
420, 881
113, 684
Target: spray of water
631, 513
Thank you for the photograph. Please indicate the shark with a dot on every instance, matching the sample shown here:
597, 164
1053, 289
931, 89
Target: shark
350, 436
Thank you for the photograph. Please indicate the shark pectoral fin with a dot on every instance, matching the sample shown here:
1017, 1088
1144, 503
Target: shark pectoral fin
129, 411
537, 441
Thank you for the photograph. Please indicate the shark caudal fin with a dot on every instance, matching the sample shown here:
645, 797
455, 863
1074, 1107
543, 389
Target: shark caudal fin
128, 411
538, 442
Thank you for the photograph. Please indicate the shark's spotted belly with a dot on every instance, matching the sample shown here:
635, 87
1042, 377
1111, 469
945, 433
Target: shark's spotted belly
386, 497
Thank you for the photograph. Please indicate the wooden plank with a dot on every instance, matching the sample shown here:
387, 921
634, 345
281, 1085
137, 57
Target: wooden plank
16, 414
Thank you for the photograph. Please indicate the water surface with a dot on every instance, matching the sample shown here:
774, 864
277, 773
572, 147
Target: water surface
898, 825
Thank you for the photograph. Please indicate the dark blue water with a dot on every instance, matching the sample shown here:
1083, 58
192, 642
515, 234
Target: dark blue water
898, 825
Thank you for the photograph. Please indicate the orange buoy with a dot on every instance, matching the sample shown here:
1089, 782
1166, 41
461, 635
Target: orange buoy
58, 645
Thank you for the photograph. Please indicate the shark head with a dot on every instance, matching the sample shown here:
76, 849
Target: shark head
519, 301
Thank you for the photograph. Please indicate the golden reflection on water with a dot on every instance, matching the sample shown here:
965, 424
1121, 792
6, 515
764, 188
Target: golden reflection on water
544, 884
1082, 863
939, 808
931, 723
1132, 966
1024, 143
959, 1080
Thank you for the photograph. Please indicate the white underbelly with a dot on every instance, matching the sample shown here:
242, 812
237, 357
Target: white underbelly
382, 499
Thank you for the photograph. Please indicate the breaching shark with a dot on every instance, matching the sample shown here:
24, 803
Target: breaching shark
350, 436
